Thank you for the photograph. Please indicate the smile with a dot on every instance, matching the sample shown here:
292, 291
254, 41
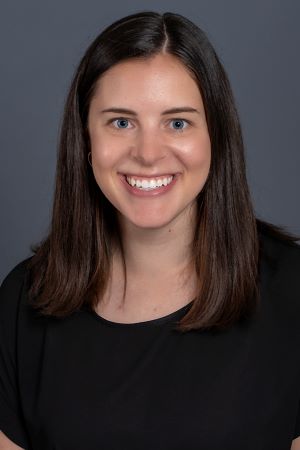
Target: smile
153, 183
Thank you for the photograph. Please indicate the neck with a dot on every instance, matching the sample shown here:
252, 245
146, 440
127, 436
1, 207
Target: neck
159, 270
156, 254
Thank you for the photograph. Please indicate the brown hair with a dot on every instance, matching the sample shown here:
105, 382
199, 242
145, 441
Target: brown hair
71, 266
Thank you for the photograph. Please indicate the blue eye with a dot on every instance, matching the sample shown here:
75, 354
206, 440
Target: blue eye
179, 123
123, 122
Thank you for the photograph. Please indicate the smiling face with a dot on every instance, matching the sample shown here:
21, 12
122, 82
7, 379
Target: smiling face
141, 139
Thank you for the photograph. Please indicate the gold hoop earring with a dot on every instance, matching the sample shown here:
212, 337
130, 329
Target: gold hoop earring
89, 159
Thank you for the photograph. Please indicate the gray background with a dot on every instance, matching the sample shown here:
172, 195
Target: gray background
41, 45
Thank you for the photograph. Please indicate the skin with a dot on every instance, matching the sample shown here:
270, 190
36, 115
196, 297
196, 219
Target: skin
152, 229
149, 143
7, 444
157, 228
155, 232
296, 444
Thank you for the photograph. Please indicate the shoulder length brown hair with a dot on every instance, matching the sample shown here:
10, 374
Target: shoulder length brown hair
70, 267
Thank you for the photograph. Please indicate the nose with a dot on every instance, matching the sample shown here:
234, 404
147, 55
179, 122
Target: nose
148, 148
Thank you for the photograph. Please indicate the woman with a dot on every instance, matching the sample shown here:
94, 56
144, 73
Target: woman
159, 312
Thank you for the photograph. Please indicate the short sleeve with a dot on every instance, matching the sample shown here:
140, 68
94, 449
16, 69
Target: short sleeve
297, 424
11, 419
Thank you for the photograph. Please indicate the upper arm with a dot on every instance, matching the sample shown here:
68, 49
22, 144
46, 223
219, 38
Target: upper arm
7, 444
12, 424
296, 444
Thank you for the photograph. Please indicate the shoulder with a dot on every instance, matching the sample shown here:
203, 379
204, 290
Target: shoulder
281, 256
16, 276
11, 289
279, 276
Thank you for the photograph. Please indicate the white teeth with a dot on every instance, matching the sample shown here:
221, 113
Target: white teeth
146, 184
149, 184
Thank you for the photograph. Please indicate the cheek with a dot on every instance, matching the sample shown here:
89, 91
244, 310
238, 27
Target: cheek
197, 152
104, 153
104, 158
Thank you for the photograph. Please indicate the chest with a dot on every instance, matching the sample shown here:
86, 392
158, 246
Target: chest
150, 388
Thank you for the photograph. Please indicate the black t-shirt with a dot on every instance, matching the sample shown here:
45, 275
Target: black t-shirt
87, 383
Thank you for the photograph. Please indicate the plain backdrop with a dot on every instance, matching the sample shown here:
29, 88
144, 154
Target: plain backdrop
41, 44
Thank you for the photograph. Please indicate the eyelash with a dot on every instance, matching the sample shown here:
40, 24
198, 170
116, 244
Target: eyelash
171, 120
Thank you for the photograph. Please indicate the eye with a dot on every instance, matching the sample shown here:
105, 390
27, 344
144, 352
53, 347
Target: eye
179, 124
121, 123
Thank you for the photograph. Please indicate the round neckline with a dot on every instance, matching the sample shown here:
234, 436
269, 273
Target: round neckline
171, 317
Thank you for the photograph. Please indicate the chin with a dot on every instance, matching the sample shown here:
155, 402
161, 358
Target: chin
156, 226
148, 223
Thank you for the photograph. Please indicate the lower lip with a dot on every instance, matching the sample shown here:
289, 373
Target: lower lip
151, 193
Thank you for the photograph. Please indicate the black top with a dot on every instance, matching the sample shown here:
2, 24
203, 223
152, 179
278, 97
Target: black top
87, 383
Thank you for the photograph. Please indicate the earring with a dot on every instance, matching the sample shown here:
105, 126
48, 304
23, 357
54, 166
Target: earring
89, 159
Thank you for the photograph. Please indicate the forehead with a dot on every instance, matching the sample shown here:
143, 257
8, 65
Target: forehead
159, 77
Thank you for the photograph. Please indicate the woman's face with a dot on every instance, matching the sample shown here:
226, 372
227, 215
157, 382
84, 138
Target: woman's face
133, 133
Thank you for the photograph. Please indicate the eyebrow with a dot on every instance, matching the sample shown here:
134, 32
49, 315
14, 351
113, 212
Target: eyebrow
167, 111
